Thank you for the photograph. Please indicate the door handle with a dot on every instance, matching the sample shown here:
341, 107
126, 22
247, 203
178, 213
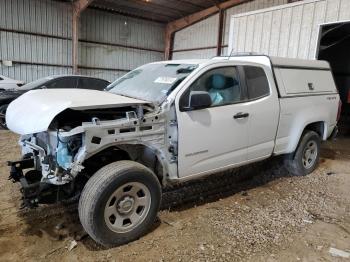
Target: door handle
240, 115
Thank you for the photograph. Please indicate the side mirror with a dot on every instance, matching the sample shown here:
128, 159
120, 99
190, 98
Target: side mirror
43, 87
198, 100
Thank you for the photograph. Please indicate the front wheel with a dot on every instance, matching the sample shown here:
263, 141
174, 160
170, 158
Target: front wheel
119, 203
307, 155
3, 109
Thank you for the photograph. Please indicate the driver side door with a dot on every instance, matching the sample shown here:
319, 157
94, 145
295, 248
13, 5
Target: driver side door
214, 138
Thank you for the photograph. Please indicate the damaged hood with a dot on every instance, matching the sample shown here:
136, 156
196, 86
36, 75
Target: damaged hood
34, 111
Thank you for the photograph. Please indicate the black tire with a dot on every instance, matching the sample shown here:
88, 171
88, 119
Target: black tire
98, 191
3, 109
294, 162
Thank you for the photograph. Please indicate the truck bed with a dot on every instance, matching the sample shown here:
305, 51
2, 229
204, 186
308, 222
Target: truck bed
307, 94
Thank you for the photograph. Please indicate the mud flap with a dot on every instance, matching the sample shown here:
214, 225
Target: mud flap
334, 133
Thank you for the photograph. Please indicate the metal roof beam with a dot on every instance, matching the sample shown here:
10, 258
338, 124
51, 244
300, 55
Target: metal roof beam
181, 23
78, 7
196, 17
133, 12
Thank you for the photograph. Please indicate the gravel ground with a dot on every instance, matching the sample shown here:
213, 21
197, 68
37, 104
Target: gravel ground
267, 216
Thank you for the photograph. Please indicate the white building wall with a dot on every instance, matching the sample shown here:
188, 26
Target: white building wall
290, 30
250, 6
200, 40
201, 34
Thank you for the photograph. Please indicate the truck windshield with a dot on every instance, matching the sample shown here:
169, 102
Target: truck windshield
151, 82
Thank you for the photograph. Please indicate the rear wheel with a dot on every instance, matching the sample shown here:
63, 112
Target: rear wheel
307, 155
3, 109
119, 203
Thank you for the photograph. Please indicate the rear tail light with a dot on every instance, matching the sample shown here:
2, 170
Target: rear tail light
339, 110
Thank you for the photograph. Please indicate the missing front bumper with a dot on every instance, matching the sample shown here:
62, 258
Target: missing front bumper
29, 189
16, 171
34, 191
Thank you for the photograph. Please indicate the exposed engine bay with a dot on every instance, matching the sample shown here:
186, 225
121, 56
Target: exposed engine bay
59, 161
67, 135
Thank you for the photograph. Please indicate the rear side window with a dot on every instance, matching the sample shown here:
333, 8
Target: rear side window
91, 83
66, 82
257, 83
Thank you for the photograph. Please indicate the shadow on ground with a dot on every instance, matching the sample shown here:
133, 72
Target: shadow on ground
60, 222
181, 197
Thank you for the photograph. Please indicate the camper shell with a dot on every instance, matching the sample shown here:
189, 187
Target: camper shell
209, 115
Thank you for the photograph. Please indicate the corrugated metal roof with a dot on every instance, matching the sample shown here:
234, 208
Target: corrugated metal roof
157, 10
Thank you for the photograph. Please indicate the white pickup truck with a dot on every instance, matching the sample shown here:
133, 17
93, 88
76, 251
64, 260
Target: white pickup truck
164, 123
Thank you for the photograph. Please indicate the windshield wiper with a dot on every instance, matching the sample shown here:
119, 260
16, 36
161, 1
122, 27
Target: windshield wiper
132, 97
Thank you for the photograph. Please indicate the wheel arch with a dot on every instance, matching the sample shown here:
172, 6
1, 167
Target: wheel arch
139, 153
317, 126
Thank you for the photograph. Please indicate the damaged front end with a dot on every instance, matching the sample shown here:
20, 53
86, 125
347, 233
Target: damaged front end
57, 163
47, 172
67, 135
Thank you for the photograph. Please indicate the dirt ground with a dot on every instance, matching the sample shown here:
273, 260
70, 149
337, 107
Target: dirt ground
270, 217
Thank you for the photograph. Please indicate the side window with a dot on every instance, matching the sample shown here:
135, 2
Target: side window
91, 83
257, 83
66, 82
222, 84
